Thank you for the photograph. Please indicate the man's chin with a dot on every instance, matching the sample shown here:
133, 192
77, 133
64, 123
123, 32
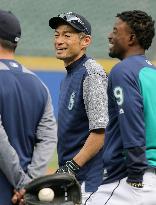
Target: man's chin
112, 55
60, 57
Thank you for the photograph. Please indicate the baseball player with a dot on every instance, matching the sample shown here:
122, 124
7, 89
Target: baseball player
129, 155
82, 115
27, 122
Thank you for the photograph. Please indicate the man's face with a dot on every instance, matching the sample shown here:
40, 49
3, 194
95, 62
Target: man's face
68, 44
119, 40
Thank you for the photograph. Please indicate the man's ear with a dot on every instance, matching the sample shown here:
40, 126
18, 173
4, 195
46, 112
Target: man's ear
86, 41
132, 39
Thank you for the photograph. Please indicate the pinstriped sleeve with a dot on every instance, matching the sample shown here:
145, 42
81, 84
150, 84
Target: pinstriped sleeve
46, 141
95, 95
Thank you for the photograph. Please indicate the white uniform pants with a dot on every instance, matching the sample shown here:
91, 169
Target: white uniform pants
85, 195
121, 193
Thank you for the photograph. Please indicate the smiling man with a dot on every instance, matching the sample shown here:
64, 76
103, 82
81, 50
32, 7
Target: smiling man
82, 115
129, 156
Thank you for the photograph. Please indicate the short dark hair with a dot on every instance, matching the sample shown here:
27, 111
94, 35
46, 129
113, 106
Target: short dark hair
141, 24
8, 45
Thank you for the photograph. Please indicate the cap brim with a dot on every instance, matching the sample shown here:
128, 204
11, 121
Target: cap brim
55, 21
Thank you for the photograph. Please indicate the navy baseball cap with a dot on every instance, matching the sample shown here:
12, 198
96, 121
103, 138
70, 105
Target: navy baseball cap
10, 29
75, 20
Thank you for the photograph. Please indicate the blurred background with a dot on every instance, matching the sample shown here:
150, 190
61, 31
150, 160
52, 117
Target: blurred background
35, 49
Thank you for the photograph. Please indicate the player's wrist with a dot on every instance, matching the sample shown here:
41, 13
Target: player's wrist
135, 180
138, 178
70, 167
73, 166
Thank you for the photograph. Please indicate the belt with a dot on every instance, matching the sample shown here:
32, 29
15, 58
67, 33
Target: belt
151, 170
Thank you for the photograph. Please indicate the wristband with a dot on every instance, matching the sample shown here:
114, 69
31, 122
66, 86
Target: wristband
136, 184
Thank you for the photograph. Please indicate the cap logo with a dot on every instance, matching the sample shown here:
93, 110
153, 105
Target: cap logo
17, 39
74, 18
13, 64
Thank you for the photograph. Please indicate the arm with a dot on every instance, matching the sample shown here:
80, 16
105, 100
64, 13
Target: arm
131, 121
9, 162
46, 141
95, 100
93, 144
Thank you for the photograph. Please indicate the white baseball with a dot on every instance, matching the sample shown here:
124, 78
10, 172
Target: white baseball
46, 194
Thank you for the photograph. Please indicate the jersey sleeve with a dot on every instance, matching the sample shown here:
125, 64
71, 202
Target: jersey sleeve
95, 97
129, 105
46, 135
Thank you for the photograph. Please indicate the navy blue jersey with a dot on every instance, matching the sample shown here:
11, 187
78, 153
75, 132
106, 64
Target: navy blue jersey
132, 111
81, 110
19, 90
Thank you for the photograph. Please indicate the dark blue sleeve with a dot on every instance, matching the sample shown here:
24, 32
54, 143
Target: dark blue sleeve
129, 103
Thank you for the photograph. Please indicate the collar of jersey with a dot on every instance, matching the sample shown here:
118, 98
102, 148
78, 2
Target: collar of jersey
75, 65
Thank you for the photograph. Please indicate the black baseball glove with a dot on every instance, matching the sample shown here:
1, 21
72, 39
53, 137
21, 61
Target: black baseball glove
65, 186
70, 167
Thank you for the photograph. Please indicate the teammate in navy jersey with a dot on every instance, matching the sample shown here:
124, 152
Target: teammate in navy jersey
82, 115
129, 155
27, 123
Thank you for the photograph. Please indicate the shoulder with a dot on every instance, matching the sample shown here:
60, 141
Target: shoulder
94, 68
119, 67
35, 78
26, 70
31, 74
126, 66
123, 70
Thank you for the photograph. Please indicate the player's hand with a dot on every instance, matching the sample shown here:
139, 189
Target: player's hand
18, 197
70, 167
